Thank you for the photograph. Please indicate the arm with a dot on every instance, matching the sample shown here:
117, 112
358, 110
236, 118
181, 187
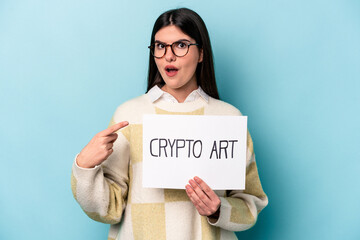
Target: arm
101, 191
240, 208
237, 211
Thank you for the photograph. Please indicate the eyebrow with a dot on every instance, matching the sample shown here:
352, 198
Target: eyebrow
180, 40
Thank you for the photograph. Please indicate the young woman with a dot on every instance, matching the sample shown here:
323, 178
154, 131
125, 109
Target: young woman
107, 173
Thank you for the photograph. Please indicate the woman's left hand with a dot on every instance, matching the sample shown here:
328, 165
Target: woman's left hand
203, 197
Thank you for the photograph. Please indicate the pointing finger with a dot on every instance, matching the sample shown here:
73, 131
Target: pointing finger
114, 128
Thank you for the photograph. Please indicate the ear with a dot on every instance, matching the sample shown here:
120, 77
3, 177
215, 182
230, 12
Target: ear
201, 56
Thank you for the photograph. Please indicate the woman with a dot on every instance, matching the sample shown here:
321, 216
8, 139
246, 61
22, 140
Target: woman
107, 173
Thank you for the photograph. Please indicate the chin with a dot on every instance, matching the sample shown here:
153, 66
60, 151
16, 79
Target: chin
173, 83
174, 86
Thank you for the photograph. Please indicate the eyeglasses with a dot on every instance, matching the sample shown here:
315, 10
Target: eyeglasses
179, 48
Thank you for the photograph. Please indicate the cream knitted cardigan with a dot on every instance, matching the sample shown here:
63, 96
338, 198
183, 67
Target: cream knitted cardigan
112, 192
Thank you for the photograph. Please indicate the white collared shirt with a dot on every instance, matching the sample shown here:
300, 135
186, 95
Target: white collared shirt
155, 94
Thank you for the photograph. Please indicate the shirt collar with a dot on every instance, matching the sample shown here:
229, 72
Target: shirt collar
156, 93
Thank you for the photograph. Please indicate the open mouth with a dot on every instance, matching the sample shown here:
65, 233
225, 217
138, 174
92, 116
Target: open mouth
171, 69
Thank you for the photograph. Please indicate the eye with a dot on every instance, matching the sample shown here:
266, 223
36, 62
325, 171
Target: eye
159, 45
181, 45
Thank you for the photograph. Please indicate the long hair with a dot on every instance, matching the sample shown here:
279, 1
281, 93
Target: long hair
192, 25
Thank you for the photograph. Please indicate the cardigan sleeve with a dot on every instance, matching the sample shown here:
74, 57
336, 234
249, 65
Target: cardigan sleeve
102, 191
240, 208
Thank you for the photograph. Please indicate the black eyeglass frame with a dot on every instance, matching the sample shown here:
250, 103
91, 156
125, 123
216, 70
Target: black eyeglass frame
151, 47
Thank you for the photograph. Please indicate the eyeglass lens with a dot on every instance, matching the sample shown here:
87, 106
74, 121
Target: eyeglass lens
180, 49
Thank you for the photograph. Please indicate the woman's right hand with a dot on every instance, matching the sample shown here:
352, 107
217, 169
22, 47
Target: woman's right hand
100, 147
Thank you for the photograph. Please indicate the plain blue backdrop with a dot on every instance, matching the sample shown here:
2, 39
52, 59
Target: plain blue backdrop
293, 67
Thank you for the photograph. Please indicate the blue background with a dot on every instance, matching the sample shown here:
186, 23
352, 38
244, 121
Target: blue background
292, 66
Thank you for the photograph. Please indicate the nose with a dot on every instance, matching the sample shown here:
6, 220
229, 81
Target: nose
169, 55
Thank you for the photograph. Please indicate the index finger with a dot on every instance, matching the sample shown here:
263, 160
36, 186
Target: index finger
211, 194
114, 128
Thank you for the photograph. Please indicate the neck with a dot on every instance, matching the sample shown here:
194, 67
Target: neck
180, 94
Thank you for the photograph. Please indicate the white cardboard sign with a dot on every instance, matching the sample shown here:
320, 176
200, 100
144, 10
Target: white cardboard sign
177, 148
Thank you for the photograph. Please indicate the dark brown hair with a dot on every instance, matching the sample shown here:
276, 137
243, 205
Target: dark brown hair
192, 25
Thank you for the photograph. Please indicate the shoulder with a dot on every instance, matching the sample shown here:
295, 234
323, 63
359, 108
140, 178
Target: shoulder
135, 102
133, 109
219, 107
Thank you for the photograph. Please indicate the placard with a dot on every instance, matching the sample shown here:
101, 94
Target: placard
177, 148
